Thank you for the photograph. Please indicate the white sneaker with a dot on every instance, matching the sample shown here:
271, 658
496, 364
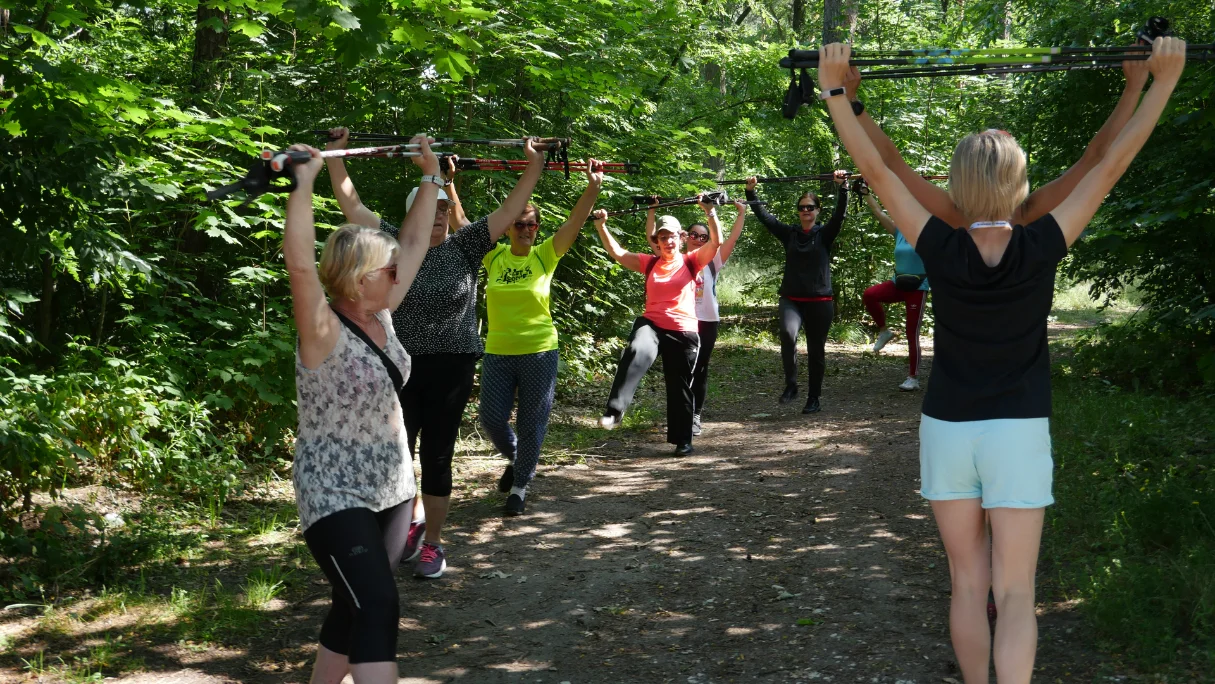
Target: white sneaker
910, 385
609, 422
882, 338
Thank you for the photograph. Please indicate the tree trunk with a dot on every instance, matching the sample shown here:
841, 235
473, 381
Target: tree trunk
470, 103
45, 305
799, 16
100, 329
210, 45
838, 15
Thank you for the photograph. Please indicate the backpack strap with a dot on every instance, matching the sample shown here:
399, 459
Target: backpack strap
394, 373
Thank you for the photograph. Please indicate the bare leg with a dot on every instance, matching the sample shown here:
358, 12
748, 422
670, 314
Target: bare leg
1016, 535
436, 514
963, 530
330, 667
374, 673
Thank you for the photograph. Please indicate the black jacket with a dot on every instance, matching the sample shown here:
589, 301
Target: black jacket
807, 255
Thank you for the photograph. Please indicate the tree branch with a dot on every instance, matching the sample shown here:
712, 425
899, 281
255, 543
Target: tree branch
722, 109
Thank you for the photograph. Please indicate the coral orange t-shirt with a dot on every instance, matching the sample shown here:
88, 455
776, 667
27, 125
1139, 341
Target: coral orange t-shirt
670, 292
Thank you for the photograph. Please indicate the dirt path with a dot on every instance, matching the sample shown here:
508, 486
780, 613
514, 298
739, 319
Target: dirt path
787, 548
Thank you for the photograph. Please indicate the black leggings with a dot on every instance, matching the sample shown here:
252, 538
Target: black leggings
815, 317
700, 374
359, 552
438, 390
678, 351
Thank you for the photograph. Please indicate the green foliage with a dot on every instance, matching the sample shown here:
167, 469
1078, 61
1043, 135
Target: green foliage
1149, 355
1131, 531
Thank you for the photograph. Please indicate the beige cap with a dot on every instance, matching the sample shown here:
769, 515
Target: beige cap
414, 193
668, 223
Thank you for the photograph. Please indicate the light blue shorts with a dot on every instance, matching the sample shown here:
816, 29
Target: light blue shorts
1005, 462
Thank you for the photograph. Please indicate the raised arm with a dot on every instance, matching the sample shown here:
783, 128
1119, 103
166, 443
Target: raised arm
1044, 200
456, 219
709, 249
568, 232
343, 187
505, 215
1166, 64
651, 222
727, 247
909, 215
779, 230
414, 236
317, 325
836, 222
935, 199
876, 210
619, 254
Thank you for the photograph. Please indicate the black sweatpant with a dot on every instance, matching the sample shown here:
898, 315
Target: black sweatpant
359, 552
433, 401
700, 374
678, 350
815, 317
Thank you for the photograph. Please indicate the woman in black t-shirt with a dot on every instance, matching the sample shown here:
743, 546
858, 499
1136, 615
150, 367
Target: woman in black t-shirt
984, 433
805, 288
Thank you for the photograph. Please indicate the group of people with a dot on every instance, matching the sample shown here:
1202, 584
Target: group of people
388, 345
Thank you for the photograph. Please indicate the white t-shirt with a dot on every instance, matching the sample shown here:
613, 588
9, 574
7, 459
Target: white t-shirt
706, 291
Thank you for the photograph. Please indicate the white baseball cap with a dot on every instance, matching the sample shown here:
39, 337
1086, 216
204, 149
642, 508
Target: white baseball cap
668, 223
414, 193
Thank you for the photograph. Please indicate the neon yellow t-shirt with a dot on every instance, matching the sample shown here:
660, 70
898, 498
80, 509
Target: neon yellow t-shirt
517, 300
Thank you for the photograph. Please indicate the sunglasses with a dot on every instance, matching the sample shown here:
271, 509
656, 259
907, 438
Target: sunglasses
529, 225
698, 236
807, 207
392, 272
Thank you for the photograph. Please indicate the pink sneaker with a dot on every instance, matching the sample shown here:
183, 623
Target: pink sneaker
432, 563
413, 545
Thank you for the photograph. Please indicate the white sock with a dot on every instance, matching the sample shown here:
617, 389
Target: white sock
520, 491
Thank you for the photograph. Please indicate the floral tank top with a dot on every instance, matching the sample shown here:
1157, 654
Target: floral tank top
350, 449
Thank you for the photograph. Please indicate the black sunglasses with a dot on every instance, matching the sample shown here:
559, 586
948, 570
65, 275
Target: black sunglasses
698, 236
807, 207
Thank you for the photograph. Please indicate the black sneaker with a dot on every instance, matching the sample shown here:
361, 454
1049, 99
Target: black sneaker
789, 394
507, 479
683, 449
514, 505
696, 429
811, 405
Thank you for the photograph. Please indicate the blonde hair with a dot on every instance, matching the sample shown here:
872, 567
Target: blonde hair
351, 252
987, 175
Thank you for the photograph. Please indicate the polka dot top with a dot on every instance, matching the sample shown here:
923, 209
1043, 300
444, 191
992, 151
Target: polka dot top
439, 313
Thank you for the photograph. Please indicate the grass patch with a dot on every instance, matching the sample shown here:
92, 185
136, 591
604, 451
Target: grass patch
1132, 535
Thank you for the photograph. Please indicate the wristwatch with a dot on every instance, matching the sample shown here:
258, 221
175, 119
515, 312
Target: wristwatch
858, 107
437, 180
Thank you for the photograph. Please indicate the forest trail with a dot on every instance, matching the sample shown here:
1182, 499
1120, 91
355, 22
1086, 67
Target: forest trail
787, 548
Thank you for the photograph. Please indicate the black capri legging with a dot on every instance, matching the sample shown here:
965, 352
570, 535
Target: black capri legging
359, 551
433, 402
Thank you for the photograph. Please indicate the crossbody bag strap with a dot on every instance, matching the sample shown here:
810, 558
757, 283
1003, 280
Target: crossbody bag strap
394, 373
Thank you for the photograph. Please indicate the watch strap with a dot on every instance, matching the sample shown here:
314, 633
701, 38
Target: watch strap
437, 180
838, 90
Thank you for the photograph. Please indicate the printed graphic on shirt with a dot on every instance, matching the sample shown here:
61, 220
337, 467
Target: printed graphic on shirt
514, 275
